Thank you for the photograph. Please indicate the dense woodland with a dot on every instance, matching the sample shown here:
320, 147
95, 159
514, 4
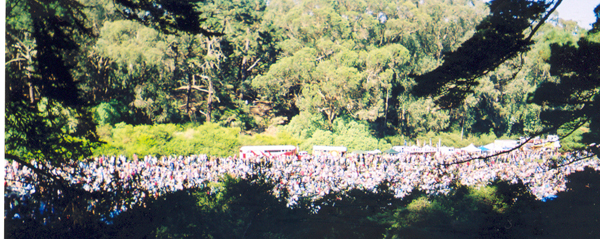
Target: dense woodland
311, 70
172, 77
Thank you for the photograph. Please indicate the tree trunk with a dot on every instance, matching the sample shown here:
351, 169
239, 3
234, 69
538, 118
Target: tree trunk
387, 97
189, 94
209, 101
31, 95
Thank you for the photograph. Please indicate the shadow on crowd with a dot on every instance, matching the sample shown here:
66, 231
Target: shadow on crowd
247, 208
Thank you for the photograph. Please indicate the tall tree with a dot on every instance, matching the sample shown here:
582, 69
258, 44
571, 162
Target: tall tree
330, 63
568, 101
168, 16
506, 32
46, 121
572, 101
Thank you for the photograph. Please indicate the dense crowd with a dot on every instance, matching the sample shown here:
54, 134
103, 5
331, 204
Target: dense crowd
313, 176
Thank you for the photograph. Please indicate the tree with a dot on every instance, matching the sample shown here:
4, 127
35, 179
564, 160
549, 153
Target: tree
568, 102
572, 101
46, 121
217, 67
354, 213
370, 45
200, 57
502, 35
332, 65
500, 210
168, 16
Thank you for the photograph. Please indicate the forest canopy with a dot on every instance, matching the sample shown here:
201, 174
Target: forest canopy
89, 78
398, 70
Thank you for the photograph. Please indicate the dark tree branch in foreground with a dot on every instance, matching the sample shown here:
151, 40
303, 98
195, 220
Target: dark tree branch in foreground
169, 16
503, 152
499, 37
55, 178
546, 131
570, 103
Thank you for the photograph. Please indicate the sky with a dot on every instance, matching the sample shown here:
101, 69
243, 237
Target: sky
581, 11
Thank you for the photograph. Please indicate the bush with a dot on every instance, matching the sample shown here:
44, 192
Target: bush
169, 139
572, 141
281, 137
350, 133
450, 139
467, 212
109, 112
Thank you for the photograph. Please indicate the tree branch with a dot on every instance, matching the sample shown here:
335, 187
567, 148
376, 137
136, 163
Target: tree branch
503, 152
193, 87
537, 27
16, 59
56, 178
576, 160
253, 65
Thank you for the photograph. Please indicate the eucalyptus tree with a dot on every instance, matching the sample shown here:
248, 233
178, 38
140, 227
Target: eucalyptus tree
571, 101
499, 102
143, 64
247, 47
567, 95
507, 31
187, 76
503, 92
46, 119
331, 61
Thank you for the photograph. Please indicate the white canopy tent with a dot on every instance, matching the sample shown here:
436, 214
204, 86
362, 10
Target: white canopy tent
471, 149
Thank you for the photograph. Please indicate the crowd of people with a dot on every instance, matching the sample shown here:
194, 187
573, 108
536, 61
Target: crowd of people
312, 176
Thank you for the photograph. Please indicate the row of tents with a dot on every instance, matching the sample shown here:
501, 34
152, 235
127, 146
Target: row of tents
550, 143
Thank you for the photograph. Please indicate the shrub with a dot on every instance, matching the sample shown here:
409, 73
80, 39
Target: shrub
169, 139
109, 112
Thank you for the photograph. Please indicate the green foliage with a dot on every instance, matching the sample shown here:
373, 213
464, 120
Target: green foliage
501, 34
423, 116
237, 118
209, 139
349, 214
49, 131
109, 112
279, 138
573, 141
190, 139
571, 102
171, 17
170, 139
489, 211
356, 135
305, 124
234, 208
309, 61
142, 61
131, 44
319, 137
335, 61
44, 118
345, 131
316, 58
